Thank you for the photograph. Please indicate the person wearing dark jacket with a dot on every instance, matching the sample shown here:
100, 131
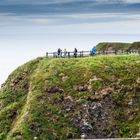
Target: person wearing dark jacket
75, 52
59, 52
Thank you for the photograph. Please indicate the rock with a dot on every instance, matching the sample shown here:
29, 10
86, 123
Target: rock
85, 127
83, 136
69, 98
106, 91
82, 88
55, 89
19, 137
94, 79
95, 110
1, 107
61, 74
138, 135
69, 108
113, 78
89, 88
138, 80
35, 138
64, 78
130, 104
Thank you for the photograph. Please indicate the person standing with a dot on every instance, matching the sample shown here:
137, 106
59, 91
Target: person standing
59, 52
75, 52
65, 53
93, 51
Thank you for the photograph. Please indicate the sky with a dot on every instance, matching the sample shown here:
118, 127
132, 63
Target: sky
29, 28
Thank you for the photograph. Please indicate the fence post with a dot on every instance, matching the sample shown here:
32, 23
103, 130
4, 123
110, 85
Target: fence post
53, 55
68, 54
81, 54
46, 54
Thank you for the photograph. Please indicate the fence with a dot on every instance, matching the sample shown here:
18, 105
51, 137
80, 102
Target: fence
88, 53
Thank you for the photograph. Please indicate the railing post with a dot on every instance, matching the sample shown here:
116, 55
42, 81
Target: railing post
81, 54
54, 55
46, 54
68, 54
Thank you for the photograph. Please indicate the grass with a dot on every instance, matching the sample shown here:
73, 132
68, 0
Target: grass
29, 109
113, 46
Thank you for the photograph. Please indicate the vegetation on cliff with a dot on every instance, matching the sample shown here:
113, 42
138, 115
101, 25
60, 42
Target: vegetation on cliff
94, 97
118, 46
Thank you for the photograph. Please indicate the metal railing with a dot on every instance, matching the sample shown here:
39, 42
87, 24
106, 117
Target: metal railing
88, 53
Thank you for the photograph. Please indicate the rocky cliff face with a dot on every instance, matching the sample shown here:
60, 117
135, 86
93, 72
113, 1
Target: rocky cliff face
72, 98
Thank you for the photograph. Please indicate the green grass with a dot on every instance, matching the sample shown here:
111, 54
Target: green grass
28, 110
135, 45
113, 46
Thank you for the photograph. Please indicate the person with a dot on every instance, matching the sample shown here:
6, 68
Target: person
75, 52
93, 51
59, 52
65, 53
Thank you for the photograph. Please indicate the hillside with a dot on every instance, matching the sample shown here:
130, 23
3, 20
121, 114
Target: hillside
94, 97
135, 45
113, 46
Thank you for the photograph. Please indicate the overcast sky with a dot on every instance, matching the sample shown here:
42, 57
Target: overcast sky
29, 28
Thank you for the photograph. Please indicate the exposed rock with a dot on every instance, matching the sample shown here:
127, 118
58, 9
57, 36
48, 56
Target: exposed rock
85, 126
130, 104
69, 98
106, 91
83, 136
94, 79
138, 80
90, 88
95, 110
55, 89
35, 138
61, 74
82, 88
1, 107
64, 78
114, 78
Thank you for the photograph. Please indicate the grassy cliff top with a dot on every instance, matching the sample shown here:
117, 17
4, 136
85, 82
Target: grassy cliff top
113, 46
94, 97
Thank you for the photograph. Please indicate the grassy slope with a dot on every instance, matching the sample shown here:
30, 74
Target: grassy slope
113, 45
135, 45
41, 98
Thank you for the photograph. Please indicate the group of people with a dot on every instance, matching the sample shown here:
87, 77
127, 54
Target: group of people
66, 54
